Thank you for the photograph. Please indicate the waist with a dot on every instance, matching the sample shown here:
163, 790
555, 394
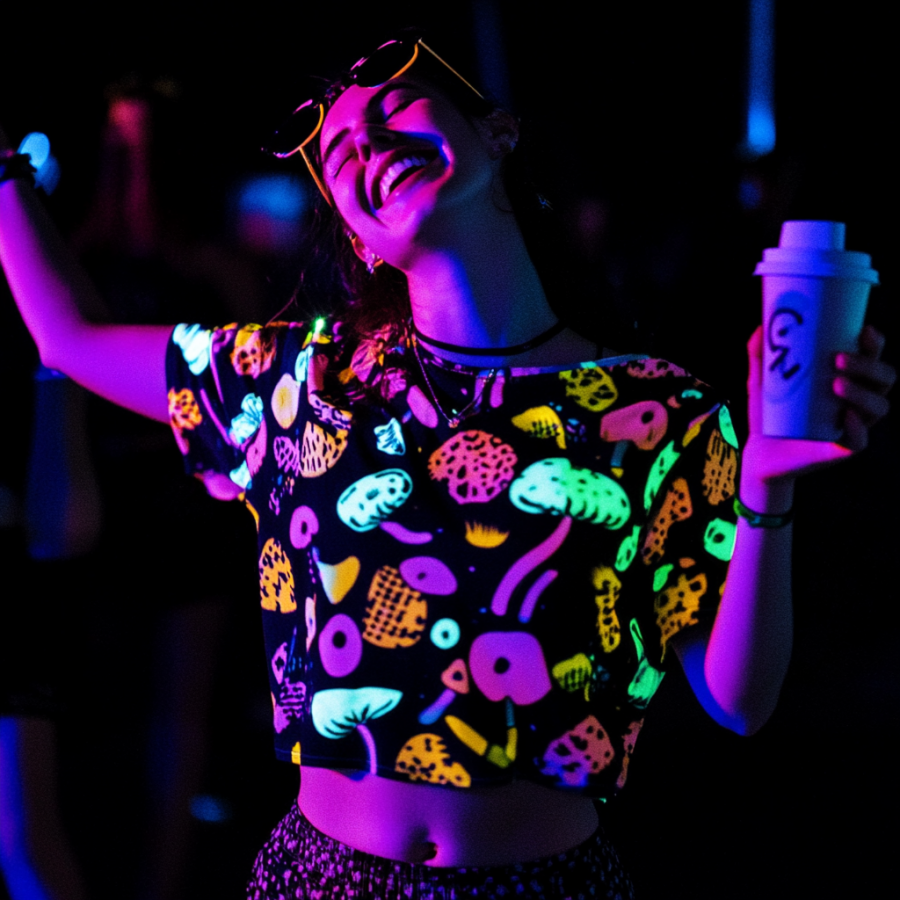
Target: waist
435, 826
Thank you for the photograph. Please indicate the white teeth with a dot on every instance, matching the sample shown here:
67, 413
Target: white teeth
394, 171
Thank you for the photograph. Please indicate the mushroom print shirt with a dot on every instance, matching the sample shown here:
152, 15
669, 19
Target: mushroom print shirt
464, 605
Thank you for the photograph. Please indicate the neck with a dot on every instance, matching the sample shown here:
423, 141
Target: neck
480, 291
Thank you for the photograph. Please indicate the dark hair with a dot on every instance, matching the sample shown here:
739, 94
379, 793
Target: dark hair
379, 301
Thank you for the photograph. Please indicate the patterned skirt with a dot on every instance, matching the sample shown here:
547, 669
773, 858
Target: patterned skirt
300, 863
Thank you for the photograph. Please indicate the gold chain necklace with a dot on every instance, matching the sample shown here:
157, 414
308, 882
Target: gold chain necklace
457, 417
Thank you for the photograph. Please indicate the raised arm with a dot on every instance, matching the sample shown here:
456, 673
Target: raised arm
124, 364
738, 668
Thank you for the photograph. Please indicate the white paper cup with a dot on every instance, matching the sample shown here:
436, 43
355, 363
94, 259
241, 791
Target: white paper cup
814, 304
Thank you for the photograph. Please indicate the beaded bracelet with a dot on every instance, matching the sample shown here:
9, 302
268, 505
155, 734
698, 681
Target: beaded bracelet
762, 520
15, 165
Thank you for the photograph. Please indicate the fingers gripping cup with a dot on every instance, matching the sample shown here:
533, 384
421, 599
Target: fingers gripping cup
814, 302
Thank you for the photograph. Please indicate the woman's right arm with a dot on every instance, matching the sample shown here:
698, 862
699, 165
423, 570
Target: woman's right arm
123, 363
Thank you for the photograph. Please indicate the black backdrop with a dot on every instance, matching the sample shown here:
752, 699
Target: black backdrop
634, 109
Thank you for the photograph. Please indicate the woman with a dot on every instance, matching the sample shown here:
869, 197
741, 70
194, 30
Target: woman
476, 548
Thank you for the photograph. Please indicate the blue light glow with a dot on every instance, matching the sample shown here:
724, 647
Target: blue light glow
759, 138
206, 808
37, 146
278, 196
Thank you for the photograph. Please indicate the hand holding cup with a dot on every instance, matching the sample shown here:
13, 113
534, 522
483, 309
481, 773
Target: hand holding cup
859, 382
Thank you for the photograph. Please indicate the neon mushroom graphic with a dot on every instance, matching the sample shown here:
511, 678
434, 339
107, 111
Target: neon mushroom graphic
370, 500
338, 712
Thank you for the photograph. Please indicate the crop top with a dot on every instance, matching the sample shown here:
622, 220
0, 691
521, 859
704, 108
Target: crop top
461, 606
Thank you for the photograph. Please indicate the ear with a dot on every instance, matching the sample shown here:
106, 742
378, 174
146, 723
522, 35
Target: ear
369, 257
361, 250
500, 132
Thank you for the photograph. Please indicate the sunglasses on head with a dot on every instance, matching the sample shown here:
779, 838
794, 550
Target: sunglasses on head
389, 61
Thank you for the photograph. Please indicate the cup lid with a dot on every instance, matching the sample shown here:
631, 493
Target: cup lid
813, 248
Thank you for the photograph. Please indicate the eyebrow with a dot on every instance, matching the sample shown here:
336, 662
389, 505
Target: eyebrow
374, 101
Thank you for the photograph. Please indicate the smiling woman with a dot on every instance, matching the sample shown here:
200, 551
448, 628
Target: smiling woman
521, 529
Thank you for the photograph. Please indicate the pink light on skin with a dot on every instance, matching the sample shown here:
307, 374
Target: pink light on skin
528, 563
534, 594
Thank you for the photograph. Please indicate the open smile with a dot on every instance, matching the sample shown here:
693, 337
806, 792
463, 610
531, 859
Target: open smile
399, 167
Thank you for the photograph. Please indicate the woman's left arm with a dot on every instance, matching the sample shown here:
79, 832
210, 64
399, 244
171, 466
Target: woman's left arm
737, 668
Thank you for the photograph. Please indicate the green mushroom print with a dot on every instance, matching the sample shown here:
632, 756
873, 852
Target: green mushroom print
646, 679
718, 540
557, 487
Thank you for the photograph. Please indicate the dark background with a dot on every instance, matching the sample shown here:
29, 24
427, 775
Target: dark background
634, 112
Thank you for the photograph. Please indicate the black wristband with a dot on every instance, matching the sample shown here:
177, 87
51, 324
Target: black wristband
762, 520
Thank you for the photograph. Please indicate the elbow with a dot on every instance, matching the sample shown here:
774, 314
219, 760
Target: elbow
744, 716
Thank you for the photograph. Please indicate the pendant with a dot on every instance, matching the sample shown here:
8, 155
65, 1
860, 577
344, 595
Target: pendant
453, 423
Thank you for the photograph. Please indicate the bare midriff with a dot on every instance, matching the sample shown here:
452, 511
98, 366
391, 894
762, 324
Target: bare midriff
437, 826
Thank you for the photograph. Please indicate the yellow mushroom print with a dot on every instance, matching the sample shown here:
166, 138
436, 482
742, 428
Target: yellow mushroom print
485, 536
395, 613
719, 470
573, 674
678, 606
320, 450
276, 580
542, 422
592, 389
608, 588
184, 413
425, 757
676, 508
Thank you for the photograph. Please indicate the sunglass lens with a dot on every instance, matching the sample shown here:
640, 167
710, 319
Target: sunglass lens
384, 64
295, 130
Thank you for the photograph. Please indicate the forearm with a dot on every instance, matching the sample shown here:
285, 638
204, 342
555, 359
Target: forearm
58, 301
55, 297
750, 646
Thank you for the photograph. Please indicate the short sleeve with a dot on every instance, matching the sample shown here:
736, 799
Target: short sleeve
686, 544
215, 379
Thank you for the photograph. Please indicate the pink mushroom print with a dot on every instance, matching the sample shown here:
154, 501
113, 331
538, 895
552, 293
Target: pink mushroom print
644, 424
477, 466
581, 752
509, 664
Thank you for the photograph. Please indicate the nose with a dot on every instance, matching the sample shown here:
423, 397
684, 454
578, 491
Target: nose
372, 138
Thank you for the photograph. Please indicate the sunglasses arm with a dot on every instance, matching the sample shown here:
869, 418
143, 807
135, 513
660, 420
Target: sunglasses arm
315, 175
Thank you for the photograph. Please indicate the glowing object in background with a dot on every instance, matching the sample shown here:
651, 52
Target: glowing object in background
278, 196
37, 146
268, 211
759, 136
206, 808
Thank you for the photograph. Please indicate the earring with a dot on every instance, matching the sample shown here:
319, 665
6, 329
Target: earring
368, 257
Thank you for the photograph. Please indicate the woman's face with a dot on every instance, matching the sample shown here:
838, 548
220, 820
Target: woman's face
404, 166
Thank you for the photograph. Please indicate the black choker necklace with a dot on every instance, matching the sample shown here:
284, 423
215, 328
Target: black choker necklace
542, 338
